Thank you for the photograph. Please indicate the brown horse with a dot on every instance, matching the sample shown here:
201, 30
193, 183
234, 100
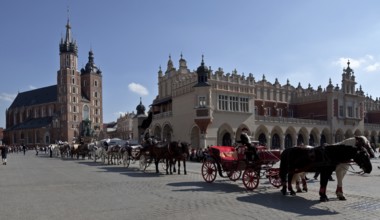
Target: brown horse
79, 150
158, 151
64, 149
178, 151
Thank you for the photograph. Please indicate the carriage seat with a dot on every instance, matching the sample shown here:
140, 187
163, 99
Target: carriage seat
229, 155
225, 152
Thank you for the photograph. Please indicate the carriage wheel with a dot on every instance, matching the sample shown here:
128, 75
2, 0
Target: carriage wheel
234, 175
250, 179
126, 159
209, 171
143, 163
274, 178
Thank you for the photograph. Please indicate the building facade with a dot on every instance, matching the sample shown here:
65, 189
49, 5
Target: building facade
63, 112
206, 107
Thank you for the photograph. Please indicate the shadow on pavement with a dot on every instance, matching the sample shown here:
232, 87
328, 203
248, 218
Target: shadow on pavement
224, 186
294, 204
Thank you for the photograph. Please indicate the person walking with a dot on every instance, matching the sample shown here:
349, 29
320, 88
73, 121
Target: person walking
4, 153
23, 148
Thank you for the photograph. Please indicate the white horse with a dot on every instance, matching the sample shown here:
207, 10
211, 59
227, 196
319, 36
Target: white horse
301, 177
98, 150
55, 149
341, 169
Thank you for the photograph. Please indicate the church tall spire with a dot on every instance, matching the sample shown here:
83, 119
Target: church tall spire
68, 44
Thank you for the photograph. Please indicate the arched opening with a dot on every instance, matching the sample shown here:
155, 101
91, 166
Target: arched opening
323, 140
157, 132
311, 140
167, 134
276, 144
226, 140
300, 139
262, 139
288, 141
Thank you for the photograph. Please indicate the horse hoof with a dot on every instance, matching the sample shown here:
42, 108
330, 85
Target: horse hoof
299, 190
283, 192
305, 190
323, 199
292, 193
341, 198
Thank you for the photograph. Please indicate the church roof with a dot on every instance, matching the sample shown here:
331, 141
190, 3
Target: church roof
35, 97
33, 123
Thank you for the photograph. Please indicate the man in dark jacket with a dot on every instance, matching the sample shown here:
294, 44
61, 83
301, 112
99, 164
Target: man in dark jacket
4, 152
251, 150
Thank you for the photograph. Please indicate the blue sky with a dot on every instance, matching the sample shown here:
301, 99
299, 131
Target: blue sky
303, 41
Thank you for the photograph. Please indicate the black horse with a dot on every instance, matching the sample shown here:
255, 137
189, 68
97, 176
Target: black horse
178, 151
159, 151
323, 159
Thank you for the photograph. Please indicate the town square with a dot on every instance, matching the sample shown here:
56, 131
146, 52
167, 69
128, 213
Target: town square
189, 109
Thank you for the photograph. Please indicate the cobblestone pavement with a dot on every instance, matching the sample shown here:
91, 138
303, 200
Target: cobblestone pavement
38, 188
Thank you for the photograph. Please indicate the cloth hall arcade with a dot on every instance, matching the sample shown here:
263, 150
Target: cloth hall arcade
210, 107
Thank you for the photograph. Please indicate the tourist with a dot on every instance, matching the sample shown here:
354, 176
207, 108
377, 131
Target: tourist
4, 152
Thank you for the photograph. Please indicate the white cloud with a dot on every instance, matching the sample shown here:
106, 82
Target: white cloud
354, 63
137, 88
373, 67
368, 63
7, 97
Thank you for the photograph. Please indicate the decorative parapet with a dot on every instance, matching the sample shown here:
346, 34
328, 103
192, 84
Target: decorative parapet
283, 120
163, 115
371, 126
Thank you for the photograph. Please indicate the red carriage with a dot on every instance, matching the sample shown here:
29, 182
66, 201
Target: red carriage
232, 163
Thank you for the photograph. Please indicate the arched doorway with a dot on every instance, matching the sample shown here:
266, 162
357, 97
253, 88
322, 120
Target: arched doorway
323, 139
226, 140
167, 133
311, 140
157, 132
276, 144
262, 139
288, 141
300, 139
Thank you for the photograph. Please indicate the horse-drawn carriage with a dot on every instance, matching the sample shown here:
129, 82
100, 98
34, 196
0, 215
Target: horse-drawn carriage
131, 152
232, 163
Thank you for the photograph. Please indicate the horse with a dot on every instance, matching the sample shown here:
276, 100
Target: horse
80, 149
342, 168
323, 159
55, 149
64, 149
179, 151
158, 151
299, 178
